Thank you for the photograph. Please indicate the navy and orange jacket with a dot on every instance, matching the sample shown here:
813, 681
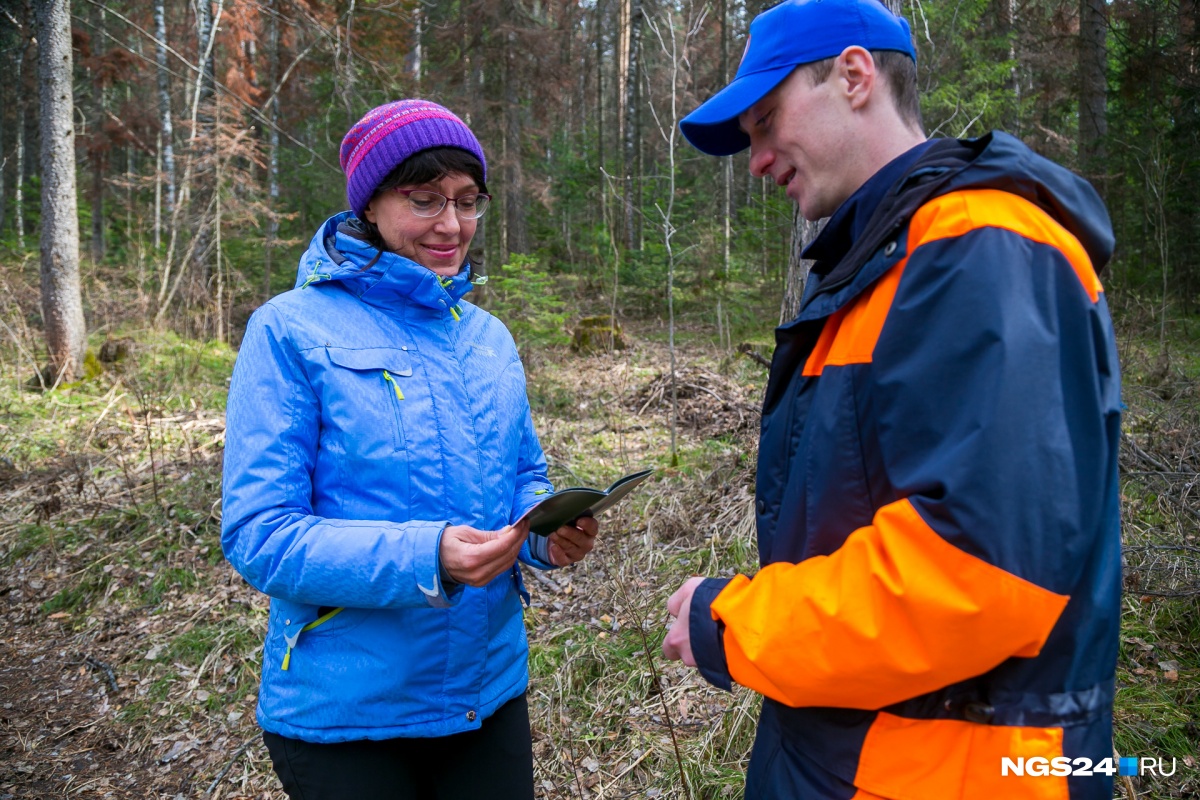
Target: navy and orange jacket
937, 499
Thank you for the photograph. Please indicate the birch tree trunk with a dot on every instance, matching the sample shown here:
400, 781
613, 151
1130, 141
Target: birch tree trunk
347, 67
19, 184
62, 304
164, 107
416, 55
598, 26
201, 155
724, 334
630, 101
272, 146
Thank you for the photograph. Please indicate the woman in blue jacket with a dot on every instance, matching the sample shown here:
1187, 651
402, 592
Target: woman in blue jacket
380, 454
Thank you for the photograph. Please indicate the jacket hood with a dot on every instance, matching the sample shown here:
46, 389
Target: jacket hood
994, 161
340, 252
1006, 163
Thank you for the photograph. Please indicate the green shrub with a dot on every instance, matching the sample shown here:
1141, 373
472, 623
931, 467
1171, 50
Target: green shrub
524, 296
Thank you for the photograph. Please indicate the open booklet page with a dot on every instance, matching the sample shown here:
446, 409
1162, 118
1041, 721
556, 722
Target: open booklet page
566, 505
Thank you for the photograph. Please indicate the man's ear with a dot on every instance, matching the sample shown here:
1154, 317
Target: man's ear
856, 69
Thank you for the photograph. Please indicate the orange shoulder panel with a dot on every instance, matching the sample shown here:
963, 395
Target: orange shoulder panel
850, 335
894, 613
960, 212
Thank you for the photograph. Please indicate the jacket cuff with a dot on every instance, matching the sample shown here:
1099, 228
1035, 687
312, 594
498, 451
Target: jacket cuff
707, 634
432, 580
529, 496
539, 552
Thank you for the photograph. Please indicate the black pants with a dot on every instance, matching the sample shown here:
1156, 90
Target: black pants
494, 762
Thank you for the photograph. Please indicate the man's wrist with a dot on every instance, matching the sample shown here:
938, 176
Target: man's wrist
707, 635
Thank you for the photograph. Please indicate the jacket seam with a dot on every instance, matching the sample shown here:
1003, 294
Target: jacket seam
294, 457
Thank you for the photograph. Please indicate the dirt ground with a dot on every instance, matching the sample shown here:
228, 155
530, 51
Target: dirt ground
63, 732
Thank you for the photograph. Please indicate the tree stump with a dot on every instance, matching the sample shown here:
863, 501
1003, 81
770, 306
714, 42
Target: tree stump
597, 335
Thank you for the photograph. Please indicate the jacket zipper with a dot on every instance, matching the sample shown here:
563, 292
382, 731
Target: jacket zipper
396, 441
295, 637
387, 376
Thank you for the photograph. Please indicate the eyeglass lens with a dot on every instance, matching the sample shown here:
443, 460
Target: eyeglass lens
430, 204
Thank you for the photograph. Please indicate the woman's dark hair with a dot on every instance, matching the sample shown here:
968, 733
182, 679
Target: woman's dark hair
424, 167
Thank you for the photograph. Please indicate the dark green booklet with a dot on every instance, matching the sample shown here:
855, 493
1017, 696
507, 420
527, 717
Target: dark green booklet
567, 505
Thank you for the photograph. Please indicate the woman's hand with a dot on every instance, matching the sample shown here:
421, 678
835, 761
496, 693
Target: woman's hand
474, 557
571, 543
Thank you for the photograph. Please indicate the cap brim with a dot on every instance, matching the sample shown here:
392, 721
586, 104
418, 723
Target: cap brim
713, 127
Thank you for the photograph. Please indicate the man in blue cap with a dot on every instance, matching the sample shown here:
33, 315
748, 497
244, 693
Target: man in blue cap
936, 614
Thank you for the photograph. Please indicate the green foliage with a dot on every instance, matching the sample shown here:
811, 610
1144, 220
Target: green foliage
525, 297
966, 72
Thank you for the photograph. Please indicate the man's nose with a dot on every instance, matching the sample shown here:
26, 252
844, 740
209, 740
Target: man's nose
761, 160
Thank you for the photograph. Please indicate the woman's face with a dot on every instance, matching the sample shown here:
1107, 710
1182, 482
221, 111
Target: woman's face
439, 243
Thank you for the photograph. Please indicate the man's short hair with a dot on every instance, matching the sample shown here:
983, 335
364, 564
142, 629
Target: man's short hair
899, 72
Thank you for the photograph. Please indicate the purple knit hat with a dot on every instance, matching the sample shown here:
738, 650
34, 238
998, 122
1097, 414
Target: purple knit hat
389, 134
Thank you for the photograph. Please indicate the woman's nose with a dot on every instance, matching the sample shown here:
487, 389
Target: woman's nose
448, 219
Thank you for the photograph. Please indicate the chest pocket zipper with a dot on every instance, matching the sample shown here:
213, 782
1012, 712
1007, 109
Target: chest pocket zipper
294, 637
396, 424
387, 376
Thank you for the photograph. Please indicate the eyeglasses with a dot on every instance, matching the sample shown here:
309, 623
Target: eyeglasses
425, 203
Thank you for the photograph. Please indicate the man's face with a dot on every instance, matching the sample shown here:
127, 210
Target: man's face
801, 136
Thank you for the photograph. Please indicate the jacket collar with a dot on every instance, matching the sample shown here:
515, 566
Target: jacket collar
339, 252
994, 161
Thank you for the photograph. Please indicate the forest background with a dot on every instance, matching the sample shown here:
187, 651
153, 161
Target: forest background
205, 137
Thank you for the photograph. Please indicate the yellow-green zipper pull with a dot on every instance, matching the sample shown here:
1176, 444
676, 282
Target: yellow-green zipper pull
387, 376
295, 637
313, 277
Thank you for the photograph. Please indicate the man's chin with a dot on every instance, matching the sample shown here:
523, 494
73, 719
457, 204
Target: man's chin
813, 209
812, 215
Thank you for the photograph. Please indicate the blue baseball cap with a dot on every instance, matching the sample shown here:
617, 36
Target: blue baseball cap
782, 38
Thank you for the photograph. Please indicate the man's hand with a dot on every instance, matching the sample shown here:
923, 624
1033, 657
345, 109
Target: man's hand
571, 543
474, 557
678, 644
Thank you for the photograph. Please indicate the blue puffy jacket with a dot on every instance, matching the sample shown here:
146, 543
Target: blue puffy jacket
371, 407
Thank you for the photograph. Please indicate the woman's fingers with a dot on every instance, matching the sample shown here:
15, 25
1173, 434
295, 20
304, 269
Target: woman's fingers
571, 543
475, 557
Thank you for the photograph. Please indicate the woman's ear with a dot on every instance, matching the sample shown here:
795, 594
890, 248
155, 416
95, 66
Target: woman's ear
369, 212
